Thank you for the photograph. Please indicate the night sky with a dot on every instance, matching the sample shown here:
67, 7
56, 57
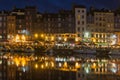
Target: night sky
55, 5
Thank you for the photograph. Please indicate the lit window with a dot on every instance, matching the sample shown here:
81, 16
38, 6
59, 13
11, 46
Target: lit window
78, 17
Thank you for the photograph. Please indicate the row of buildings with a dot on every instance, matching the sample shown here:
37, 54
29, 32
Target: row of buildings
93, 25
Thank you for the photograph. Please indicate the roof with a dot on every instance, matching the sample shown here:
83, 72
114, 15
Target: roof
79, 6
18, 10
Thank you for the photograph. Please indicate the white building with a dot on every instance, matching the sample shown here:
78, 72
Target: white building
80, 21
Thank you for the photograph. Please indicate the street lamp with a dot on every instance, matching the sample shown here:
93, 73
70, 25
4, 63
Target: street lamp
42, 35
42, 66
52, 38
65, 65
77, 65
65, 39
36, 35
76, 39
36, 66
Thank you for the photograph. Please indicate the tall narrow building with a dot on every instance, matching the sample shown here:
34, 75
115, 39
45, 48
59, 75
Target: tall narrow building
11, 27
80, 21
30, 19
3, 25
20, 20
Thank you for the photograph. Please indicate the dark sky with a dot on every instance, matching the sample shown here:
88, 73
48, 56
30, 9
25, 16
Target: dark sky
55, 5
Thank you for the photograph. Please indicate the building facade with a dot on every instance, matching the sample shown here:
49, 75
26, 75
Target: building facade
117, 26
30, 20
11, 27
80, 21
100, 24
3, 25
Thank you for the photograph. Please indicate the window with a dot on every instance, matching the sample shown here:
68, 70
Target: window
96, 24
78, 35
78, 10
103, 19
26, 18
100, 35
4, 18
4, 31
20, 26
48, 19
78, 74
59, 19
96, 30
82, 22
96, 35
92, 35
82, 35
82, 16
78, 29
70, 15
20, 21
78, 22
0, 36
108, 25
82, 11
78, 17
82, 28
100, 24
28, 13
69, 25
59, 25
96, 19
4, 24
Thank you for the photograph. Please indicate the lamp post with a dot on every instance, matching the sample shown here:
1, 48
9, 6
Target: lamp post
36, 36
